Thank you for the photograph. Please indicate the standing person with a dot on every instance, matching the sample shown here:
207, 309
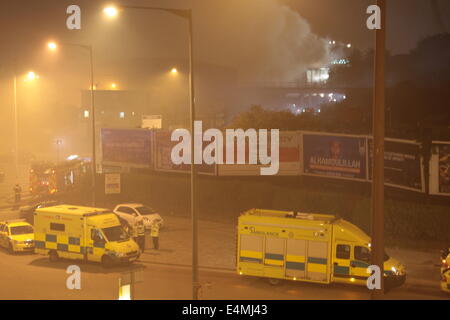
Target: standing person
140, 234
17, 193
137, 232
154, 233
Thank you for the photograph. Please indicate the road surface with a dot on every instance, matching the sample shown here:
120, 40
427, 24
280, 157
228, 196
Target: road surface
30, 276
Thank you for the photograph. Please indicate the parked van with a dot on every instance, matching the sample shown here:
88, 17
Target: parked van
90, 234
307, 247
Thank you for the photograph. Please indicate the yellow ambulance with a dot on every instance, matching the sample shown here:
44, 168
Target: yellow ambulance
307, 247
75, 232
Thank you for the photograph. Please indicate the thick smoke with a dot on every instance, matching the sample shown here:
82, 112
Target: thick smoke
262, 39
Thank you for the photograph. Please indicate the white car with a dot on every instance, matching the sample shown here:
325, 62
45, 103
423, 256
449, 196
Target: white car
132, 211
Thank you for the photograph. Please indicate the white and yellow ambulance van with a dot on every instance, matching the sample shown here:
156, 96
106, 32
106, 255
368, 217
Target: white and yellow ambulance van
307, 247
89, 234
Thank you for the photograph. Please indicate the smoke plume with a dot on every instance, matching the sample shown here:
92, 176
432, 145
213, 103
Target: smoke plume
262, 39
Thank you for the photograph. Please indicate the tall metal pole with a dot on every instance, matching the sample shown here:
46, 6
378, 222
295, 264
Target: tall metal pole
195, 283
378, 150
94, 160
187, 14
16, 130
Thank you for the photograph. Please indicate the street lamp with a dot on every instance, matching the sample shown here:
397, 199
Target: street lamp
185, 14
111, 12
53, 46
174, 71
29, 77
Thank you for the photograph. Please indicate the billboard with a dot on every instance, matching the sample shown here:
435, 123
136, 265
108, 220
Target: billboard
402, 164
127, 147
163, 160
440, 168
335, 156
289, 159
152, 121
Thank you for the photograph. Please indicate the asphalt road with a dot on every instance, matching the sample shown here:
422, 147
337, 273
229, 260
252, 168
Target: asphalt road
29, 276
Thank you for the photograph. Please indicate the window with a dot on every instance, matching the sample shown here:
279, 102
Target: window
342, 251
362, 253
21, 230
115, 234
145, 210
96, 235
126, 210
57, 227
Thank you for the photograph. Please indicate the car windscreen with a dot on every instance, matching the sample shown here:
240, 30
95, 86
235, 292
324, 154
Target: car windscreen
145, 210
21, 230
116, 233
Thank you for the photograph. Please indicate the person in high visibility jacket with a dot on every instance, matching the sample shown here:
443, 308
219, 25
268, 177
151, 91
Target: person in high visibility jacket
154, 233
136, 230
139, 233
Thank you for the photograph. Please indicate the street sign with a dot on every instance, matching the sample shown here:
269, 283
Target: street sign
152, 121
112, 183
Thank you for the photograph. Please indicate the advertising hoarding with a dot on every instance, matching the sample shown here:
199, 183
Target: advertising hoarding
289, 159
402, 164
127, 147
334, 156
440, 168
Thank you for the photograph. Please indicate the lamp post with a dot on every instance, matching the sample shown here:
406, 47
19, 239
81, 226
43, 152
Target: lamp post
31, 76
185, 14
53, 46
378, 150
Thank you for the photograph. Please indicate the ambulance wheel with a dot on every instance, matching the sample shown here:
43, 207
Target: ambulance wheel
107, 262
53, 256
274, 282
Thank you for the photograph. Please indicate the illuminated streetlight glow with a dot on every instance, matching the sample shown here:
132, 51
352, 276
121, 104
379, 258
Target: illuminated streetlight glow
113, 86
174, 71
31, 76
52, 46
111, 12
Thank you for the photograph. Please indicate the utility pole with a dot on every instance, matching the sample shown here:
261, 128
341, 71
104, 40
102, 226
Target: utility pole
378, 127
195, 283
187, 14
16, 131
94, 156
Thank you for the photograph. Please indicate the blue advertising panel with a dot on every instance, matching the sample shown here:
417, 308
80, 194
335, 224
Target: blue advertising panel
127, 147
163, 160
335, 156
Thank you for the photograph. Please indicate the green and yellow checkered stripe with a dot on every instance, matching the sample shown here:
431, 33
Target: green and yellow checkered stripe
295, 262
250, 256
317, 265
58, 242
